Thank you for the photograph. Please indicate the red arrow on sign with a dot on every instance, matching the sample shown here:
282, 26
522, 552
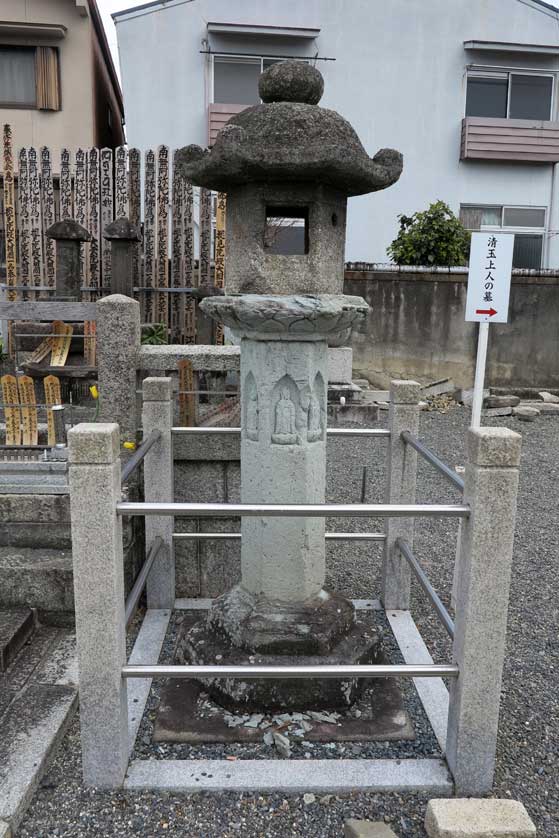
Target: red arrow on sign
489, 311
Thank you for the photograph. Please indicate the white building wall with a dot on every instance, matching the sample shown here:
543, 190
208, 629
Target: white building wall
398, 77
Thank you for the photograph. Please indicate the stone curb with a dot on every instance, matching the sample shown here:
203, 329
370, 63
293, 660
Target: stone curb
367, 829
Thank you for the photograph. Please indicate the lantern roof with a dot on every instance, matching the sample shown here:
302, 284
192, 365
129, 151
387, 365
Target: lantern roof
290, 138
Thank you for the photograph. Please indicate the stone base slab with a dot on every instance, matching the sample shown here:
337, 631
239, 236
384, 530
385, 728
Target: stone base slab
183, 716
470, 818
201, 645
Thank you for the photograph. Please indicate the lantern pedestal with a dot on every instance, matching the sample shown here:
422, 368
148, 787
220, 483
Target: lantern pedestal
281, 613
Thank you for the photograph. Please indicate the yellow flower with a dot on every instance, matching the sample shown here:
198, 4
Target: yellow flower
130, 446
94, 391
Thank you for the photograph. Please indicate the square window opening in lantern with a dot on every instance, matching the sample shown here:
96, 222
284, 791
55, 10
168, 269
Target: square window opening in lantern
287, 231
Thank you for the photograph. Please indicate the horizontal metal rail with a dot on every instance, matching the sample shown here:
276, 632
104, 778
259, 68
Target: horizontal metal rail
329, 431
432, 458
134, 596
139, 454
295, 510
318, 671
233, 536
423, 580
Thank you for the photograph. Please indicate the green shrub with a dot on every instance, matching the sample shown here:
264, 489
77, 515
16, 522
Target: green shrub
432, 237
154, 334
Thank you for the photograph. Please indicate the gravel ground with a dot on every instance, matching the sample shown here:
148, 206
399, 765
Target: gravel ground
528, 747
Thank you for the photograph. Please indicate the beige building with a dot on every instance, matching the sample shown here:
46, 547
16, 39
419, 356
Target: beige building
58, 84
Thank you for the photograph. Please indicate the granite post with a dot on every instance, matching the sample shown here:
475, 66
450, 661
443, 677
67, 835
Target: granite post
124, 237
484, 571
157, 415
118, 345
402, 471
68, 235
97, 554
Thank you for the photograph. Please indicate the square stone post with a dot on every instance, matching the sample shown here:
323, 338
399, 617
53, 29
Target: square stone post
124, 237
118, 346
484, 571
68, 235
157, 415
402, 472
99, 601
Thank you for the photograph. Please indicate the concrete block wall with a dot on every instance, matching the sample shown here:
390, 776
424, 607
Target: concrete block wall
416, 329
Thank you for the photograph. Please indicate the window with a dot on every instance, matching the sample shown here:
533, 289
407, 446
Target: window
527, 223
235, 79
509, 95
17, 77
29, 78
287, 231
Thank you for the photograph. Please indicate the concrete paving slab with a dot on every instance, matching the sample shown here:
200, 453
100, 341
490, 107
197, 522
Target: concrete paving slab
431, 691
471, 818
31, 728
16, 625
425, 776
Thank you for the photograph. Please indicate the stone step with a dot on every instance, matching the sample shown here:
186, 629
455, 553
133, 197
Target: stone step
40, 579
31, 728
35, 520
16, 626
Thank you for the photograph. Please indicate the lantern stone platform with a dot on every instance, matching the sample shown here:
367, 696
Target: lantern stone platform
281, 612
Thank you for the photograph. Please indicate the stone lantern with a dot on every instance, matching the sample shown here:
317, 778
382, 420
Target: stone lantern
285, 159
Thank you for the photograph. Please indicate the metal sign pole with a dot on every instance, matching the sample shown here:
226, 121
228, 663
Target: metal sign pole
477, 402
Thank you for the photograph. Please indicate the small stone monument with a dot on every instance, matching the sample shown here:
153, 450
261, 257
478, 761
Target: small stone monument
288, 159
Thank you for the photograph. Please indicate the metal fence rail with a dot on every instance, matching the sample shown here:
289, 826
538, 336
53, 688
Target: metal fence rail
381, 432
138, 455
319, 671
295, 510
234, 536
432, 458
423, 580
141, 579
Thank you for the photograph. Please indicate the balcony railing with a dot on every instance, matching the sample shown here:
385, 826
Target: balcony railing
521, 140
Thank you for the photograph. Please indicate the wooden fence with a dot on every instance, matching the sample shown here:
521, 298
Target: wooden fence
95, 186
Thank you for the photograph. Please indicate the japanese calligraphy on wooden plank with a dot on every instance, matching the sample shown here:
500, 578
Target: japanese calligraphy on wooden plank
26, 390
94, 223
52, 396
9, 213
48, 217
176, 302
12, 415
190, 277
65, 185
121, 183
219, 260
80, 209
187, 396
204, 264
35, 218
134, 211
106, 212
162, 232
61, 343
24, 224
149, 235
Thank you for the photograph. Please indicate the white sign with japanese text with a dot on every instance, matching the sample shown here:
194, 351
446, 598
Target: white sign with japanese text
489, 277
